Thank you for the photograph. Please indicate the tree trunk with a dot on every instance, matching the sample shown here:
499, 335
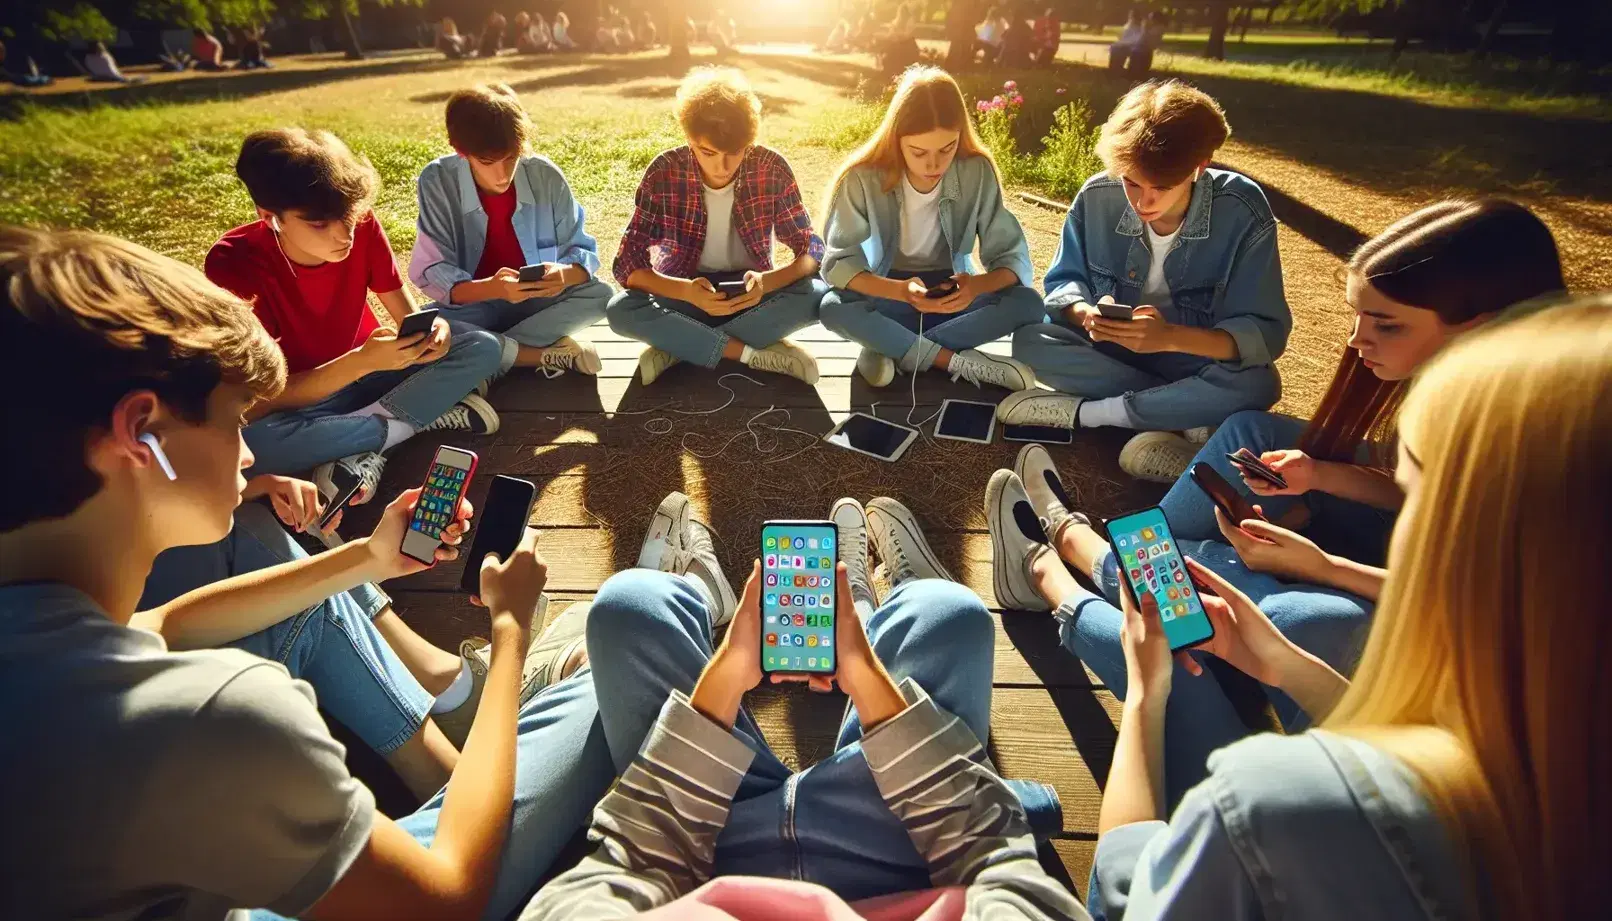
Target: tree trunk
1218, 14
960, 21
1404, 21
355, 50
676, 30
1247, 17
1490, 28
1099, 16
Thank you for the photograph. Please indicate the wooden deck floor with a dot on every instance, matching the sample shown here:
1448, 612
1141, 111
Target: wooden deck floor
605, 451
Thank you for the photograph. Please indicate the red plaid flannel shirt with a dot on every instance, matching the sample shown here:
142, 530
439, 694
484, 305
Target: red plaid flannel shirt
667, 230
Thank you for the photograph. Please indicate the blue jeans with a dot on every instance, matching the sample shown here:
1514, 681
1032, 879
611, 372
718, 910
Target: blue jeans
891, 327
681, 329
1341, 526
1163, 391
650, 633
538, 321
297, 440
333, 645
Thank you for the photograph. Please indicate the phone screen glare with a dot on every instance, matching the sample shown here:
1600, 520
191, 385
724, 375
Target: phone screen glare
797, 599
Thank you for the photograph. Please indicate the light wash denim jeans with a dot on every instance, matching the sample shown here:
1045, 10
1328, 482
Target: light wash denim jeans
679, 328
333, 645
890, 327
1165, 391
297, 440
538, 321
650, 633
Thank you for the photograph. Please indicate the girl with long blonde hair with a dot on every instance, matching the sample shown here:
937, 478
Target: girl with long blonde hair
1462, 773
904, 213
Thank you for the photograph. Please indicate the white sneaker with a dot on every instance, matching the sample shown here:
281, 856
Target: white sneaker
878, 370
567, 354
1016, 541
1045, 488
900, 543
785, 357
663, 542
978, 368
852, 523
1039, 407
653, 363
1199, 435
699, 560
1158, 457
471, 414
367, 467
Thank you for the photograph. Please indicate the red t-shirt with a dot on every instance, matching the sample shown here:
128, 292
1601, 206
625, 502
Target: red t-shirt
316, 313
503, 249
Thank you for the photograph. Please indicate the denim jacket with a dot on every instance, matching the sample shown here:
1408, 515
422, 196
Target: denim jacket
864, 223
1312, 827
1223, 272
453, 226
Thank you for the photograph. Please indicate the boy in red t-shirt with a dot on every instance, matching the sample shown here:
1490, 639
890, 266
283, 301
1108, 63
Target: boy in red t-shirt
307, 265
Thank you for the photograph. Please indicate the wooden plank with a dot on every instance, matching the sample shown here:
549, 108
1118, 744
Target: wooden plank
1062, 737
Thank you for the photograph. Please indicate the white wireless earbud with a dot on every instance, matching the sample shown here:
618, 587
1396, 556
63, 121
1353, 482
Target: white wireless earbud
274, 223
150, 441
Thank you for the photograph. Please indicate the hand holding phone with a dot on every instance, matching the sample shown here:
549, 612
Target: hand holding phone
1113, 311
532, 273
1150, 563
944, 289
1255, 470
1224, 495
418, 323
505, 512
799, 597
446, 483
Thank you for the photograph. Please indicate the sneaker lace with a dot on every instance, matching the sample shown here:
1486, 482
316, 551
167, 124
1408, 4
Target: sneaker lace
369, 469
559, 359
978, 372
456, 419
1162, 457
1042, 411
774, 361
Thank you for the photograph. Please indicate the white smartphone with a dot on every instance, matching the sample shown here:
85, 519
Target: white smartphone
872, 436
964, 420
445, 484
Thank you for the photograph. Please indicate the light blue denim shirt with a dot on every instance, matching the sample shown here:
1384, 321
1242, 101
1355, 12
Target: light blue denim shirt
864, 224
453, 227
1311, 827
1223, 272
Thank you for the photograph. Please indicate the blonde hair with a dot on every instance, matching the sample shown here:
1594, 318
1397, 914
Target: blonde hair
717, 105
1486, 671
926, 98
1164, 130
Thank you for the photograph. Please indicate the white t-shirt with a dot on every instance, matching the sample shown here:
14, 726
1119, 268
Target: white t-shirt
922, 247
185, 785
1156, 291
723, 251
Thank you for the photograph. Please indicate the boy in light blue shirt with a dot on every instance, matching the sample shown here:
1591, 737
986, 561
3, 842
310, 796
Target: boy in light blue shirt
490, 209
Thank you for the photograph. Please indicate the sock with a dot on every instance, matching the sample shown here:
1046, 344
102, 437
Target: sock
397, 432
375, 409
1109, 411
512, 350
458, 692
746, 355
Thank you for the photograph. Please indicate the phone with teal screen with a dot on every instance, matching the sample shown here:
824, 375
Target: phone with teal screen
798, 597
1150, 563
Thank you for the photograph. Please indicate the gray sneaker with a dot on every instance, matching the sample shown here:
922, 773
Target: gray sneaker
567, 354
1017, 540
852, 523
785, 357
698, 559
366, 467
878, 370
1039, 407
900, 543
663, 542
1048, 497
978, 368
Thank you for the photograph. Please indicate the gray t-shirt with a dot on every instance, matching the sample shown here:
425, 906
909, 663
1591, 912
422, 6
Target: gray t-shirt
146, 783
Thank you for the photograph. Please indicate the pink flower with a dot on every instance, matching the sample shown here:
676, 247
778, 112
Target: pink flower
981, 106
1010, 85
996, 100
1061, 91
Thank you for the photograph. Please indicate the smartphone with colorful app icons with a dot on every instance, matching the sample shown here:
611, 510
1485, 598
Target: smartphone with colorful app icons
1150, 563
445, 484
798, 597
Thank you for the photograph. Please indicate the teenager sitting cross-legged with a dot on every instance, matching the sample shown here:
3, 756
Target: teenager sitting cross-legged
307, 265
487, 210
905, 212
169, 779
707, 213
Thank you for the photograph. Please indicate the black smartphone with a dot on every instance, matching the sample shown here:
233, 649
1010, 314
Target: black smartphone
1039, 434
1249, 462
499, 527
731, 289
531, 273
347, 485
1151, 564
445, 484
417, 323
1223, 494
872, 436
944, 289
798, 597
1116, 311
963, 420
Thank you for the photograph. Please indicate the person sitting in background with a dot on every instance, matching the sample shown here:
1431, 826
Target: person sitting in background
605, 38
1018, 42
1462, 773
1129, 42
648, 34
721, 32
492, 35
838, 40
254, 50
207, 50
562, 32
895, 45
988, 35
528, 35
102, 68
908, 812
26, 73
1048, 36
449, 41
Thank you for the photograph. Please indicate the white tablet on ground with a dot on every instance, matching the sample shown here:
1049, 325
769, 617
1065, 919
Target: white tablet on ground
964, 420
872, 436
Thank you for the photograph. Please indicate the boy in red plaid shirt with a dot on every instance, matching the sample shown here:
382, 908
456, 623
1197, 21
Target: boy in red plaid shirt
696, 259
